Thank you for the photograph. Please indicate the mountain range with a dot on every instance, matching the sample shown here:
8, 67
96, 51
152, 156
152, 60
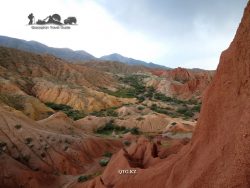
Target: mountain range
69, 54
36, 47
130, 61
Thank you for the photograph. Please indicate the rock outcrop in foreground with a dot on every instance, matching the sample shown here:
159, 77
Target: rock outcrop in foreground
48, 153
219, 152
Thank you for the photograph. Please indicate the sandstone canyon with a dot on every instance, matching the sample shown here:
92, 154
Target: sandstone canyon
105, 124
218, 154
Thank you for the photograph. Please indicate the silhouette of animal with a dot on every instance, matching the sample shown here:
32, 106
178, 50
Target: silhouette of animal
70, 20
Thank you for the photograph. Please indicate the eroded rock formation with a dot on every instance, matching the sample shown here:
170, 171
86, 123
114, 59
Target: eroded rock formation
219, 152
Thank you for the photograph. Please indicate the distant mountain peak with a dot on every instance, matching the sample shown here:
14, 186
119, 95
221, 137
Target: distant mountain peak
37, 47
130, 61
69, 54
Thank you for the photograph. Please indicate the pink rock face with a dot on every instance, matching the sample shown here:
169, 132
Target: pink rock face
183, 83
51, 79
219, 152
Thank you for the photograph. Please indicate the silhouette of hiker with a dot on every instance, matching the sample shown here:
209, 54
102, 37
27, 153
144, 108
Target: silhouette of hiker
31, 17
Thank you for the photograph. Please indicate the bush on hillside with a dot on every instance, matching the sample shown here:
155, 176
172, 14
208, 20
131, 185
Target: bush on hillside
83, 178
68, 110
109, 127
104, 162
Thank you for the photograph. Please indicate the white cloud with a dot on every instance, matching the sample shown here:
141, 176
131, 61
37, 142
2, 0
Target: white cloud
97, 32
196, 42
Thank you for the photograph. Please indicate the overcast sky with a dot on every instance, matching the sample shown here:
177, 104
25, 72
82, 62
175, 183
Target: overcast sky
174, 33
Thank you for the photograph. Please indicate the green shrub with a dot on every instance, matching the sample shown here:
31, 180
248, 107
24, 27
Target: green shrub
111, 112
68, 110
177, 101
122, 92
104, 161
185, 111
109, 127
107, 112
28, 140
83, 178
189, 114
196, 108
157, 109
162, 97
107, 154
149, 92
162, 111
141, 98
192, 101
154, 107
136, 84
126, 142
18, 126
140, 107
120, 128
182, 110
75, 114
62, 107
134, 130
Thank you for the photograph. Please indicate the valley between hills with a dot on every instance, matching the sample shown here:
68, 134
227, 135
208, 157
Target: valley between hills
57, 114
69, 122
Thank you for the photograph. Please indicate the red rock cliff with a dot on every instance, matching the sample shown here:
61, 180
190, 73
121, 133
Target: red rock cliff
219, 152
